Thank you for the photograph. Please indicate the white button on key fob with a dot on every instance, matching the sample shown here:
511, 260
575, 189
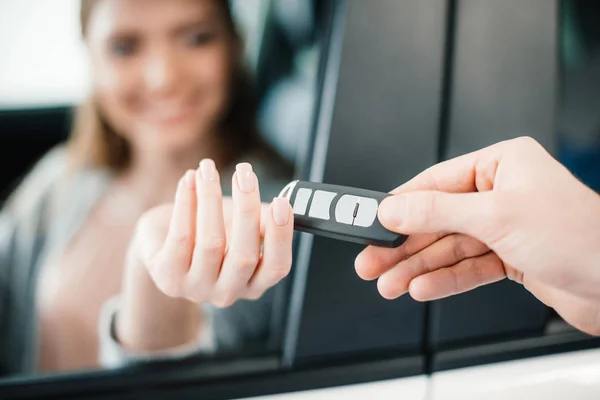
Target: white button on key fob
339, 212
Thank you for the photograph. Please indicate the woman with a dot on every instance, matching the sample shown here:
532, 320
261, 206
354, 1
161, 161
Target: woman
90, 261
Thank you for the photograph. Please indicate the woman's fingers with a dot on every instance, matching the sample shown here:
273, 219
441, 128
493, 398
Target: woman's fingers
277, 249
210, 240
207, 249
461, 277
228, 215
372, 262
170, 264
243, 253
445, 252
182, 228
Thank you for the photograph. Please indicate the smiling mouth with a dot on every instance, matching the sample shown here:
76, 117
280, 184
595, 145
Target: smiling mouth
167, 113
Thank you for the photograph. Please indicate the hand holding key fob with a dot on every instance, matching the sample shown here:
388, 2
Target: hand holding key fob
339, 212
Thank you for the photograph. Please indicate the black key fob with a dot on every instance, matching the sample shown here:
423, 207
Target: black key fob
339, 212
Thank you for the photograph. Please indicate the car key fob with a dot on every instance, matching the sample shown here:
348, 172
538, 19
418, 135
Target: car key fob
339, 212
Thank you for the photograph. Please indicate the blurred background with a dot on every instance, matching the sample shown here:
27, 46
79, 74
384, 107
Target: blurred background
578, 113
44, 74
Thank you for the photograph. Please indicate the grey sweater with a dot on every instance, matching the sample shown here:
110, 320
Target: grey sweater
40, 218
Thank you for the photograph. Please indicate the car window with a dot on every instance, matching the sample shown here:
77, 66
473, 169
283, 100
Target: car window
90, 89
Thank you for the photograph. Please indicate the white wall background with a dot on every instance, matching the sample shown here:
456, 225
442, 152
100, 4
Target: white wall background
41, 53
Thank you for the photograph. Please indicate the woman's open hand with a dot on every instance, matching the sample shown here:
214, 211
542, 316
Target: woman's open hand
208, 249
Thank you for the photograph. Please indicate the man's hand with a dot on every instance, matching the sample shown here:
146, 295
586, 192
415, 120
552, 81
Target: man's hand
509, 210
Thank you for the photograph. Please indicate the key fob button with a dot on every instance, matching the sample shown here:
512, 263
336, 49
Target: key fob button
301, 201
366, 213
344, 209
319, 208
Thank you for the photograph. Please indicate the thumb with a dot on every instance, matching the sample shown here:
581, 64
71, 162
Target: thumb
433, 211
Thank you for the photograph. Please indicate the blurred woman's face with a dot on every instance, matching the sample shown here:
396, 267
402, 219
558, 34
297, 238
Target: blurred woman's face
161, 69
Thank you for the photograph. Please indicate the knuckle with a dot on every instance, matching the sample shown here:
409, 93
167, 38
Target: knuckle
422, 209
247, 261
455, 281
156, 266
208, 188
225, 300
196, 285
254, 294
182, 240
212, 247
218, 304
485, 175
170, 287
433, 179
514, 275
281, 271
477, 267
165, 279
527, 142
419, 263
458, 247
196, 296
215, 243
277, 240
248, 206
519, 277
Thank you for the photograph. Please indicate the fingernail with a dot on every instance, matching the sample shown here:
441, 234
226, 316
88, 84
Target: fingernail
392, 210
245, 177
208, 169
281, 211
190, 179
